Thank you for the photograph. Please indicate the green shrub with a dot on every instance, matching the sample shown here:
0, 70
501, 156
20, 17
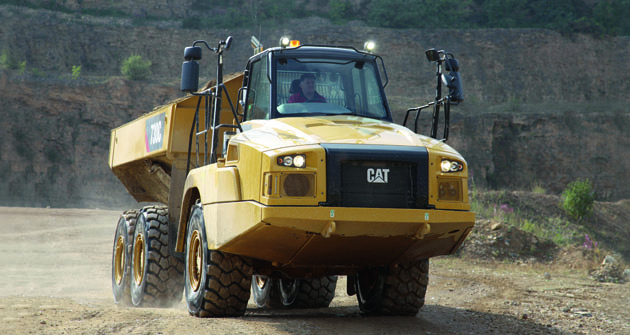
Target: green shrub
38, 73
340, 10
4, 59
8, 62
578, 199
76, 72
135, 68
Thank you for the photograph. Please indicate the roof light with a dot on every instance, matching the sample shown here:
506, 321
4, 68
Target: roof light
284, 42
369, 46
287, 42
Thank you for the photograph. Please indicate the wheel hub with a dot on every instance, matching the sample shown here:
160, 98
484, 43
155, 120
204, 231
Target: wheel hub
119, 260
195, 260
138, 256
261, 281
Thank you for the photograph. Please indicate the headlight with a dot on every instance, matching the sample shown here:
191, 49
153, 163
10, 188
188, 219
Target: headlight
298, 161
451, 166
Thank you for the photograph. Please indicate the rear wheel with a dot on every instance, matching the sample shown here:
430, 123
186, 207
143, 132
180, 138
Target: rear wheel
308, 293
217, 284
156, 276
121, 256
396, 290
266, 293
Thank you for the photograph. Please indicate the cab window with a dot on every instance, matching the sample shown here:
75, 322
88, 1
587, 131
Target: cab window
258, 92
308, 87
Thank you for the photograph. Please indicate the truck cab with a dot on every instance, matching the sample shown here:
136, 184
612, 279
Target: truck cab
348, 80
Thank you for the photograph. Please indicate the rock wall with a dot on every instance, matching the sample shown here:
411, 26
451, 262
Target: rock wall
154, 8
548, 149
54, 139
498, 65
541, 108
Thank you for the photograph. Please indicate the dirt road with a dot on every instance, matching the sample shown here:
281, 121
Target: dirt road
56, 267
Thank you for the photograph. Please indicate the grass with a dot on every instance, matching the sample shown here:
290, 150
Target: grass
584, 243
538, 189
560, 231
497, 206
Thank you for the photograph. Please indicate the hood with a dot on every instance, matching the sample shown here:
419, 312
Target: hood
296, 131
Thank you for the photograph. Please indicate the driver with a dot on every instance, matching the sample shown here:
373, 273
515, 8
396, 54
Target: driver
308, 93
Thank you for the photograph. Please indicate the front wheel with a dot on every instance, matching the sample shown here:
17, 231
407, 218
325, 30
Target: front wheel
398, 290
217, 284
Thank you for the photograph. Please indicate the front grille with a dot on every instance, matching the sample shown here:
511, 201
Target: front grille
376, 176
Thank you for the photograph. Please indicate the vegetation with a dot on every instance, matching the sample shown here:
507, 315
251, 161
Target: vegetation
136, 68
581, 16
520, 211
578, 199
598, 17
76, 72
8, 62
537, 188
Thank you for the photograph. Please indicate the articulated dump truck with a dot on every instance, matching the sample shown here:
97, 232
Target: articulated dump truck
273, 182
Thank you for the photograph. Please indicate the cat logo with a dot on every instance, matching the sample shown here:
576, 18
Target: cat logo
377, 176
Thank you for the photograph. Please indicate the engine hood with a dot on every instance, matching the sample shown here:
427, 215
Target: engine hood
296, 131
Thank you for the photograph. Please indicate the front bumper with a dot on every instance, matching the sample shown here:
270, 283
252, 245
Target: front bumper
341, 236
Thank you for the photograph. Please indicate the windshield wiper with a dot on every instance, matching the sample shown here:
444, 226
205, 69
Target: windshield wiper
346, 113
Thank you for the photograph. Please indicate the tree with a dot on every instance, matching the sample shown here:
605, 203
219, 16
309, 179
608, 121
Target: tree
505, 13
135, 68
420, 13
578, 199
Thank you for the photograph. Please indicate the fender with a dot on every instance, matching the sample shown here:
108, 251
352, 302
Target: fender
226, 189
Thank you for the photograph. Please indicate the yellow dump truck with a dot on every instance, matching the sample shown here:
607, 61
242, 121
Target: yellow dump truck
274, 181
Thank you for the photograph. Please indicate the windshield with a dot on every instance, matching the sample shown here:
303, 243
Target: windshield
307, 87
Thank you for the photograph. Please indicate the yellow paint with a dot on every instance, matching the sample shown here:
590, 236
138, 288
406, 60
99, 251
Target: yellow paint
294, 131
237, 227
215, 184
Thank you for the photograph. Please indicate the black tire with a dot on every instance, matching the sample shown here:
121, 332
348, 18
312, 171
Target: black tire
156, 276
217, 284
121, 257
266, 292
308, 293
396, 290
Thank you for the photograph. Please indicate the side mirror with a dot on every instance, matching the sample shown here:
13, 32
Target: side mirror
453, 81
451, 64
190, 76
432, 55
190, 69
192, 53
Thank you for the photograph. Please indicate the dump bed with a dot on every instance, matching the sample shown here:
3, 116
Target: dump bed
144, 152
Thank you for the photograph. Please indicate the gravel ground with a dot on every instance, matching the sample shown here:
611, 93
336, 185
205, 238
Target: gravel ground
56, 280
